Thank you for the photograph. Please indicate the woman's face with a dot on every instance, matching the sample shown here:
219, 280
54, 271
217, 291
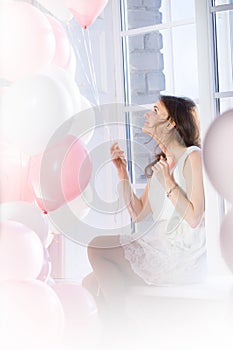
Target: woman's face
155, 120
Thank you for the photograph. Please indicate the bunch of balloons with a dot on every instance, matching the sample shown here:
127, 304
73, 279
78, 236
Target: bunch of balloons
21, 23
42, 97
45, 165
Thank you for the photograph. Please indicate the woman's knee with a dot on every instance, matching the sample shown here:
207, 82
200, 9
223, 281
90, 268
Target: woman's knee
89, 282
105, 242
98, 245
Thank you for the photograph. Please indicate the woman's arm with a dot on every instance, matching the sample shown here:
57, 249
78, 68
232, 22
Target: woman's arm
189, 205
138, 208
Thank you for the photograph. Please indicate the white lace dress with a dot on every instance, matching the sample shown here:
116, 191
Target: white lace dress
170, 252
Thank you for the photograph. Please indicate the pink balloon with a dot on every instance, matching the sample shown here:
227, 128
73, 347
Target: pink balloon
31, 316
61, 173
226, 239
27, 40
217, 154
63, 49
86, 11
15, 184
80, 311
21, 252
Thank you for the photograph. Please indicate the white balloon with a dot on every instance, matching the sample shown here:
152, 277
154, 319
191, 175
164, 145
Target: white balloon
27, 214
217, 152
67, 82
57, 8
83, 123
79, 207
32, 110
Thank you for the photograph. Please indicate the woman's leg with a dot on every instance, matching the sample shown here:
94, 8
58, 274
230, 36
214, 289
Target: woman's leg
111, 269
91, 284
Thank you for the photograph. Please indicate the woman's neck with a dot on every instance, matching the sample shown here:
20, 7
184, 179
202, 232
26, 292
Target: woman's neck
173, 151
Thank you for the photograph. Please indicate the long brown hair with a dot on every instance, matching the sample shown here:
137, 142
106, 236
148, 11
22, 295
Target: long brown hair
182, 111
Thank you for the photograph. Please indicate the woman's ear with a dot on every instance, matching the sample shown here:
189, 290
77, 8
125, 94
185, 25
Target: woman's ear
171, 123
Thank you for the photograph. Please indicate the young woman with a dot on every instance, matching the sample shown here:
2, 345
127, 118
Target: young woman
173, 250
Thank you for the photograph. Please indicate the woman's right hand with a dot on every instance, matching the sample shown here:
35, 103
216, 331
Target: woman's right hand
118, 159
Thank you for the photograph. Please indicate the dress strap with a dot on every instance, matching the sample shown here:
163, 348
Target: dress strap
192, 148
182, 159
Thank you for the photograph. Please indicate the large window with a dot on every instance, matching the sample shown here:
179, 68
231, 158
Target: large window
222, 51
180, 47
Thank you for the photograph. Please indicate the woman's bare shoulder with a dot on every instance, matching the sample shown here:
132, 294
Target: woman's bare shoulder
193, 161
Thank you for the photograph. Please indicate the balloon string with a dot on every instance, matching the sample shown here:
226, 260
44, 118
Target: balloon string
88, 49
91, 79
74, 45
93, 68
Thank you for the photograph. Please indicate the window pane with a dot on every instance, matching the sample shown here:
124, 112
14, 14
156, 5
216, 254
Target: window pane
226, 104
224, 25
222, 2
142, 13
145, 13
180, 61
145, 67
182, 9
185, 61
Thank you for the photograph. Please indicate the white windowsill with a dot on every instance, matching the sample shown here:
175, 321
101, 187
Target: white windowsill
214, 288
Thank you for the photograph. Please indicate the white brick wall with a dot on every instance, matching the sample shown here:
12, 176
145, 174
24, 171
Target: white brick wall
145, 57
146, 73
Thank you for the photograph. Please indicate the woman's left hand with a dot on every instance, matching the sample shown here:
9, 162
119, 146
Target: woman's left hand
162, 170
